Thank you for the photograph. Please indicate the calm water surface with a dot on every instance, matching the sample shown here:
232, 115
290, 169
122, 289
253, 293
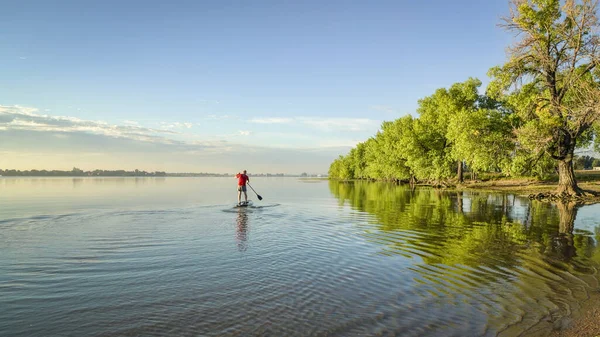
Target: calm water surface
172, 257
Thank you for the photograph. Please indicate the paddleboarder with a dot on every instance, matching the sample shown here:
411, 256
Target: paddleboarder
242, 180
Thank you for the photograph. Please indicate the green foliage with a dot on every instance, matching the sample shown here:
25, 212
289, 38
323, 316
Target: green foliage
380, 157
584, 162
454, 125
525, 164
482, 139
342, 168
540, 105
550, 80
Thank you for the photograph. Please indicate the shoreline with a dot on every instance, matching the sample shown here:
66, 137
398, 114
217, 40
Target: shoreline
585, 322
520, 186
526, 187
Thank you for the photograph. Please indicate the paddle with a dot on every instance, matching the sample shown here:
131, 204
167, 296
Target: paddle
258, 196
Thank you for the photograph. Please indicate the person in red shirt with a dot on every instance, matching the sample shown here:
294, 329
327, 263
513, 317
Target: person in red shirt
242, 180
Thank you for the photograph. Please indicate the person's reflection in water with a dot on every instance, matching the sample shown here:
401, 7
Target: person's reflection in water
241, 232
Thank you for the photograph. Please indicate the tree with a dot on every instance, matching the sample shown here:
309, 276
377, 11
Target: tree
554, 67
433, 130
337, 169
394, 156
77, 171
583, 162
373, 158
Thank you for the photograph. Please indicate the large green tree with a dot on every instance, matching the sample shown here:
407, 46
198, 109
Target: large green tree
441, 142
552, 67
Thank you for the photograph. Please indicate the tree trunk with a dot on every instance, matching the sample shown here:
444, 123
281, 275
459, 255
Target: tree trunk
566, 178
563, 242
567, 212
459, 175
459, 202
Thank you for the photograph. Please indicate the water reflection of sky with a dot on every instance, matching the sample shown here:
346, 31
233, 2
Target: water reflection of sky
588, 219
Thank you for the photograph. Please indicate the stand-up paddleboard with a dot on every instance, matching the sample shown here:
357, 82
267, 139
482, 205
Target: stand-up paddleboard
244, 204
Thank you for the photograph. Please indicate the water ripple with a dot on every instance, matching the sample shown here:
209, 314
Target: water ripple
386, 263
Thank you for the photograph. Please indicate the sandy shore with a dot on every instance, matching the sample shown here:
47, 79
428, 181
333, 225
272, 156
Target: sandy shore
587, 324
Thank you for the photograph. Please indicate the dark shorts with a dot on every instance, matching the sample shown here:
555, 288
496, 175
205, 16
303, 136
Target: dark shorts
242, 188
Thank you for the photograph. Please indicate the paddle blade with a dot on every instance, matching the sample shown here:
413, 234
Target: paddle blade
259, 197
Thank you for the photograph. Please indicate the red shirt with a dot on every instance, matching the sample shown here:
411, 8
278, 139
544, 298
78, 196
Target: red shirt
242, 179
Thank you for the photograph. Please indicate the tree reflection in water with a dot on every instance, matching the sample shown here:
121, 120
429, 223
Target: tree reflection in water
471, 229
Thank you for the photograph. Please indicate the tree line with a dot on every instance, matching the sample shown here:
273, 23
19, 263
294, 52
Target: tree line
76, 172
586, 162
541, 105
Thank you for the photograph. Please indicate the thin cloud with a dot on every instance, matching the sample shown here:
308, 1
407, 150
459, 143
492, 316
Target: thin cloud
240, 133
338, 143
384, 108
341, 124
271, 120
176, 125
325, 124
218, 117
20, 118
31, 131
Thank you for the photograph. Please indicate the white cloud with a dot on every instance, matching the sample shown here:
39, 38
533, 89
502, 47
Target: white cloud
342, 124
30, 131
176, 125
275, 120
218, 117
325, 124
384, 108
338, 143
20, 123
241, 133
26, 119
208, 101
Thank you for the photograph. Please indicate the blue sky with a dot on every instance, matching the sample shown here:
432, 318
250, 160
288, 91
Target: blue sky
207, 85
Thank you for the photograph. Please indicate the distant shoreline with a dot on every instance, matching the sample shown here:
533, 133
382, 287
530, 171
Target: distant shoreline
175, 175
75, 172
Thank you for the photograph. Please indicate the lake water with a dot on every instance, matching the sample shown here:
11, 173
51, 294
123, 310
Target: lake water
172, 257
